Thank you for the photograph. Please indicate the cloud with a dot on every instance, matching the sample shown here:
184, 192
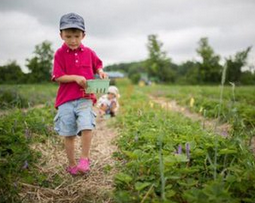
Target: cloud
116, 50
117, 29
20, 33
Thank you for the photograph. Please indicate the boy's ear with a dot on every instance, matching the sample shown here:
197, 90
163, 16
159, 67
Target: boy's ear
61, 35
84, 35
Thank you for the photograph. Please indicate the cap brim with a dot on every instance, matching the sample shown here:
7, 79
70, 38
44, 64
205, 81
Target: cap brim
72, 26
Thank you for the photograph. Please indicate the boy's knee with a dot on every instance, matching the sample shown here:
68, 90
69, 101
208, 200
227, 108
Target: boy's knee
70, 139
103, 107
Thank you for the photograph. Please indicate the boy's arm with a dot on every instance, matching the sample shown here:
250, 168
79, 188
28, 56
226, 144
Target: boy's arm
80, 80
101, 73
98, 66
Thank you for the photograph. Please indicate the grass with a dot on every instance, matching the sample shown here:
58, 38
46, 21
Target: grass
23, 96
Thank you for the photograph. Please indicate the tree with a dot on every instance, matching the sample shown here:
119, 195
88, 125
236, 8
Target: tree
234, 65
40, 65
11, 73
247, 78
210, 68
158, 64
188, 73
135, 70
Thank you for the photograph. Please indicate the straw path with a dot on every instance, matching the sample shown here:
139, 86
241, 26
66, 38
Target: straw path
95, 187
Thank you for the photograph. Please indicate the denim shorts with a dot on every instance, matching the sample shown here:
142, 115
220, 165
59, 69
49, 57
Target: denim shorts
75, 116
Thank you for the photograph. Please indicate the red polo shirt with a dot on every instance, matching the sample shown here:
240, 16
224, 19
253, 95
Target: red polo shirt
82, 61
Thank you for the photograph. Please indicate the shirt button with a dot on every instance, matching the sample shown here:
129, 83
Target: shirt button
76, 61
75, 54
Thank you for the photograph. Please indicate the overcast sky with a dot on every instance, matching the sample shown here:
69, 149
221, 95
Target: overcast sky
117, 29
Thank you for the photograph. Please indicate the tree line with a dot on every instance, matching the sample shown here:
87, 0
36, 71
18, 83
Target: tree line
158, 67
39, 67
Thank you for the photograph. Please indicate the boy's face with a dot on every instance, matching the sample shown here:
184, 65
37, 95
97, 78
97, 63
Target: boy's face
72, 38
110, 96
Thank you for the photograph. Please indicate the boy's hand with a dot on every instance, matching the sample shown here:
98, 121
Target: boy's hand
102, 74
80, 80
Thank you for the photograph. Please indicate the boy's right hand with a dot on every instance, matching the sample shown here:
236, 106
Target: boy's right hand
80, 80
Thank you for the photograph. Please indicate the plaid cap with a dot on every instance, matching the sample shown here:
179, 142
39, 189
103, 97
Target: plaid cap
72, 20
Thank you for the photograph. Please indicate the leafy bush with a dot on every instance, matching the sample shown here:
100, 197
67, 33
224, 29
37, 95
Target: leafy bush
135, 78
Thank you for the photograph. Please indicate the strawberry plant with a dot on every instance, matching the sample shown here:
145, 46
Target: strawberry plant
18, 130
168, 158
237, 106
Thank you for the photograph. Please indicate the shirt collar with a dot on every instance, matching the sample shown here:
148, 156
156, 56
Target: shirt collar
67, 49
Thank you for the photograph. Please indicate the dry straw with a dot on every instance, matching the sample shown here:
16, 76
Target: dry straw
96, 187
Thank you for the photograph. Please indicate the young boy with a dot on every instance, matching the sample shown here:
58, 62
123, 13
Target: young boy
73, 65
108, 104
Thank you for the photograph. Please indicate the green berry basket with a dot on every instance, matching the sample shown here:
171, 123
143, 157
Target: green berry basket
97, 86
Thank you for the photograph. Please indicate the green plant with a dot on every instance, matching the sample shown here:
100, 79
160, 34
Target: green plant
18, 130
166, 158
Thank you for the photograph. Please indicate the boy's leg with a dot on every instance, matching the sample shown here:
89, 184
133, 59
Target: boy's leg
65, 125
85, 124
69, 146
86, 137
103, 109
113, 107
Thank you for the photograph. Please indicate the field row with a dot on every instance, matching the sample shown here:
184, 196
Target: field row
167, 157
237, 106
162, 157
18, 131
24, 96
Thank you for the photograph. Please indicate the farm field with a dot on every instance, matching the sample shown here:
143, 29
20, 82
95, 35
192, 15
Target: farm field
24, 96
162, 156
170, 158
32, 164
237, 105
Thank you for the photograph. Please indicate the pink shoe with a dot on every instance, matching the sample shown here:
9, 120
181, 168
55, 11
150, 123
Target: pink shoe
72, 170
83, 165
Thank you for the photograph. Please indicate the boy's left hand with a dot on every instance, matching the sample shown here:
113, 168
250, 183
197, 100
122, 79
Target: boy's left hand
102, 74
